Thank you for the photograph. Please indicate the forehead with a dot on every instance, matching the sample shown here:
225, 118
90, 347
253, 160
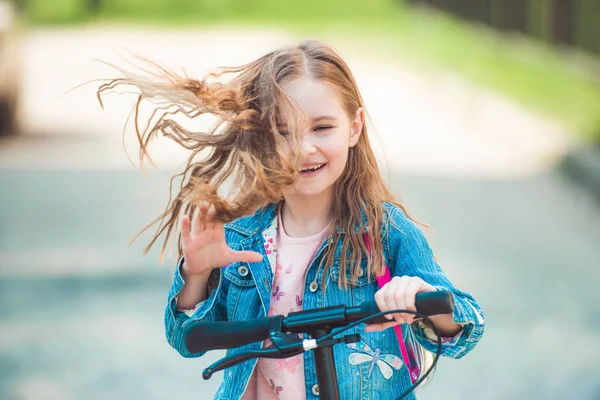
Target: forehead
316, 98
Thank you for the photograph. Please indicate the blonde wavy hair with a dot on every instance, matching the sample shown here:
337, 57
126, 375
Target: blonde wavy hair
247, 147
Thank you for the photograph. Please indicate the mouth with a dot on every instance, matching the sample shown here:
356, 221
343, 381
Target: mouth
311, 168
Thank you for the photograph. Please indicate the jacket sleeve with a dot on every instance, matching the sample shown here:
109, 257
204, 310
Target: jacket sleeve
211, 309
414, 257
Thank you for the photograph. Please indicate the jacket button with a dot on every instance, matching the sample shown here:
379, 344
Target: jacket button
243, 270
313, 287
315, 389
360, 271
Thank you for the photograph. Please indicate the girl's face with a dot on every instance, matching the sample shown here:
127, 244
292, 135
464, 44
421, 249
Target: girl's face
326, 143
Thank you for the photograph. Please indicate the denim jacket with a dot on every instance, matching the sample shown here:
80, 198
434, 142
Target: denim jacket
371, 369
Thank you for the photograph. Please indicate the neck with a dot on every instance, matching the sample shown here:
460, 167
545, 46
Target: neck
306, 216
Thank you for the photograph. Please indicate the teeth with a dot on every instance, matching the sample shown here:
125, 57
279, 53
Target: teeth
312, 168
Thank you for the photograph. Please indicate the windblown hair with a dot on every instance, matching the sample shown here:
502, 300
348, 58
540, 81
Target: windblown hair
247, 147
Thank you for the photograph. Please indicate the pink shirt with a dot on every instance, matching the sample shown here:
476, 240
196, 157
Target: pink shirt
284, 378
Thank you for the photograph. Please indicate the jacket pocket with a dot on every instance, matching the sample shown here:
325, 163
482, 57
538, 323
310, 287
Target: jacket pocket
357, 291
243, 302
362, 279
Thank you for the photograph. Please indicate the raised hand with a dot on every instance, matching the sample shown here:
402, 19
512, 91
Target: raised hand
204, 246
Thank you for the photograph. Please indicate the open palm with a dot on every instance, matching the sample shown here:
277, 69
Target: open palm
204, 246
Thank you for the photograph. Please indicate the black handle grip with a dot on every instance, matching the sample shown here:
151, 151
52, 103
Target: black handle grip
427, 303
434, 303
204, 336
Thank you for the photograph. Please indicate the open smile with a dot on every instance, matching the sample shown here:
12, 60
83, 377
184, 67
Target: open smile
311, 169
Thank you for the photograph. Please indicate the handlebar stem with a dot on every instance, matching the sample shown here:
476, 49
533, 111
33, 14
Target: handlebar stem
326, 371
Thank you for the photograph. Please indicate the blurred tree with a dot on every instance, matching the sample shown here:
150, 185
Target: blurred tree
509, 15
566, 22
20, 4
539, 14
94, 5
476, 10
480, 10
586, 32
562, 21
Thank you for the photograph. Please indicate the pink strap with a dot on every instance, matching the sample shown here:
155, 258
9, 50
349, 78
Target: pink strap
381, 281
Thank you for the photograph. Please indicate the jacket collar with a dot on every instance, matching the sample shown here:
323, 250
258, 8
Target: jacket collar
256, 223
263, 218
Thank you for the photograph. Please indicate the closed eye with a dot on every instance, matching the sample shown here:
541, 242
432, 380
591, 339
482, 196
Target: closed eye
322, 127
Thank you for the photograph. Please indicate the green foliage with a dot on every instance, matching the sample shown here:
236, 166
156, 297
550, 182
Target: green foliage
56, 11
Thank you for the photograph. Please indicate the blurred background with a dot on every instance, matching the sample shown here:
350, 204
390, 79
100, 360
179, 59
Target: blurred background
485, 116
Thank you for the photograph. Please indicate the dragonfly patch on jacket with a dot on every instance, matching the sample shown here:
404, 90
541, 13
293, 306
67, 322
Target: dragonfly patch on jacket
385, 362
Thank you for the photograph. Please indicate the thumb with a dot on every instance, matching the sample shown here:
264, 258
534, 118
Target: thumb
246, 256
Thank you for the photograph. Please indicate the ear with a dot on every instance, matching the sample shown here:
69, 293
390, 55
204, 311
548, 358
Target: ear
356, 126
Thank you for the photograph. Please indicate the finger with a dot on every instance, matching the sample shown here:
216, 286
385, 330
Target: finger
185, 229
395, 297
414, 286
210, 218
380, 300
199, 224
245, 256
380, 327
388, 296
399, 299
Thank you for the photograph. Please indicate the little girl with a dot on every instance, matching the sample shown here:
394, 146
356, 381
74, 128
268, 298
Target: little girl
306, 194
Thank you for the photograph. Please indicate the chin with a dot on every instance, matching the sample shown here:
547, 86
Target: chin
311, 191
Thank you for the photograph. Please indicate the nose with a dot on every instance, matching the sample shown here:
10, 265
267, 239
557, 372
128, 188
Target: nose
308, 146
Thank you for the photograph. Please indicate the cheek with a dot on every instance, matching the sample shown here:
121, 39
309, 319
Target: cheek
337, 156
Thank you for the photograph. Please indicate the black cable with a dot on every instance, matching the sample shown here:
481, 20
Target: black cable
438, 352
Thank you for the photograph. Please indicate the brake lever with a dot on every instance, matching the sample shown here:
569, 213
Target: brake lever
291, 348
235, 359
283, 346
